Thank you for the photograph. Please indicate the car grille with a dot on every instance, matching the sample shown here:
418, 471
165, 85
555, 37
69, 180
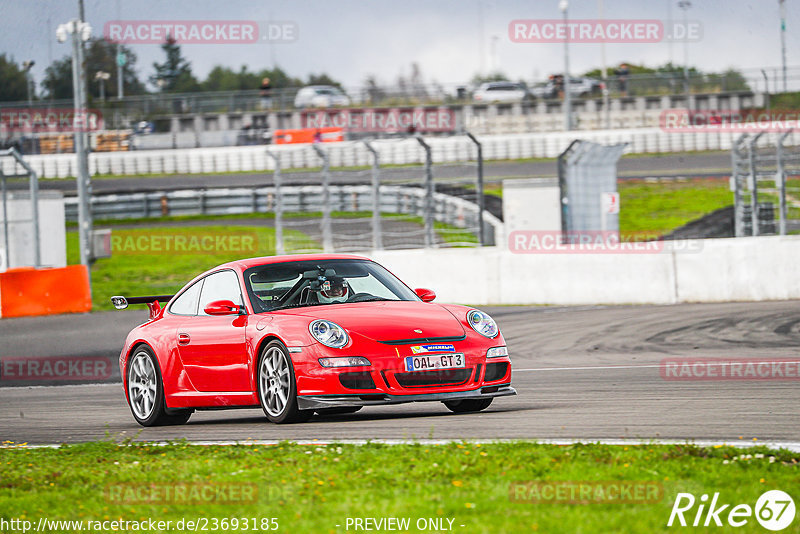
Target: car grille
442, 377
410, 341
495, 371
362, 380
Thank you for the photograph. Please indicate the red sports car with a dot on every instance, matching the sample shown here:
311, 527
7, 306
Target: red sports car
303, 334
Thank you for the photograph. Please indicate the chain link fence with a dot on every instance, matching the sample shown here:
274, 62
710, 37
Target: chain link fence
432, 203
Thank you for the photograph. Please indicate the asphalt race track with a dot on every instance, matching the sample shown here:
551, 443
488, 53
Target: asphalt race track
582, 372
703, 165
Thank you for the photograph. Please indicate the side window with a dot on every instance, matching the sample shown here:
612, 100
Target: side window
186, 304
223, 285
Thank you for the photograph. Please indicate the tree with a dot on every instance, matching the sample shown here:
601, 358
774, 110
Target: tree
58, 79
14, 81
322, 79
491, 77
175, 74
101, 55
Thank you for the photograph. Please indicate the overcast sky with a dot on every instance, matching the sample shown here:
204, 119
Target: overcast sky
449, 39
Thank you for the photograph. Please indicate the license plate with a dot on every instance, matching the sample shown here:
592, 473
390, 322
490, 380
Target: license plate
437, 361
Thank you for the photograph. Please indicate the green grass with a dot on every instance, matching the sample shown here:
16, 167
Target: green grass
315, 488
654, 209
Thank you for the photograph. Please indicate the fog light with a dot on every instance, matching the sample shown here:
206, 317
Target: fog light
497, 352
348, 361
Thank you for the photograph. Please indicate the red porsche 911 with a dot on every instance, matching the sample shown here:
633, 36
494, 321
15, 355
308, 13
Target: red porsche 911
302, 334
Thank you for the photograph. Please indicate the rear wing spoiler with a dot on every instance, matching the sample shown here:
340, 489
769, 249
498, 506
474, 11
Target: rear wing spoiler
153, 305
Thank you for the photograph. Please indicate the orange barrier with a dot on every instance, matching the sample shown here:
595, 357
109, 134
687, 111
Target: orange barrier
307, 135
29, 291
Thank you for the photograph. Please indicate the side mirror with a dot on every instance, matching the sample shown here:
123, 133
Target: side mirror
222, 307
426, 295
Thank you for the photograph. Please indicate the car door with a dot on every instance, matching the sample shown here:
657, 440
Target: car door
212, 347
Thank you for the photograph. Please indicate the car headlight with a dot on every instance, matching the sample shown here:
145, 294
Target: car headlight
482, 323
347, 361
328, 333
497, 352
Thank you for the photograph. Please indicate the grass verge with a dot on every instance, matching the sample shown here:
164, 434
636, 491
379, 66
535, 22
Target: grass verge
659, 208
316, 488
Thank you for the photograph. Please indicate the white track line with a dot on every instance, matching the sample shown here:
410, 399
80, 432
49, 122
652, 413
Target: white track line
650, 366
793, 446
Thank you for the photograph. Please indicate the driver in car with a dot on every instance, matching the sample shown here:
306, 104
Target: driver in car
334, 290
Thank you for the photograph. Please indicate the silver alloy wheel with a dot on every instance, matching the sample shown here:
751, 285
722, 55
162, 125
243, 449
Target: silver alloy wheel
273, 377
142, 385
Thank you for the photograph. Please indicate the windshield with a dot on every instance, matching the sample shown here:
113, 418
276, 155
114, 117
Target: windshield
314, 283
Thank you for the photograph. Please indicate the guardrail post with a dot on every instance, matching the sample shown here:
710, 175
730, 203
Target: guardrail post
751, 147
428, 215
327, 235
782, 182
277, 180
377, 237
479, 187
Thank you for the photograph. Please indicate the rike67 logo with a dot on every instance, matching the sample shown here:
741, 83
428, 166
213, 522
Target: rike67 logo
774, 510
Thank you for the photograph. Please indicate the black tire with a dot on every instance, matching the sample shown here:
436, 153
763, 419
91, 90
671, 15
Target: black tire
338, 411
152, 412
288, 411
468, 405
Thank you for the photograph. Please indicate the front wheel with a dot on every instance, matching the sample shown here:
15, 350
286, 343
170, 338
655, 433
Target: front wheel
277, 389
146, 392
468, 405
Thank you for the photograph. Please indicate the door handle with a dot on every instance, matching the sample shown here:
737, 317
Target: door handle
183, 339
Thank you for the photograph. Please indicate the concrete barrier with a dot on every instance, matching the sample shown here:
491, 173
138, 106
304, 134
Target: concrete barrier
392, 151
745, 269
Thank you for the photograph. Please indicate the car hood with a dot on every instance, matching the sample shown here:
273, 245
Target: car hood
389, 320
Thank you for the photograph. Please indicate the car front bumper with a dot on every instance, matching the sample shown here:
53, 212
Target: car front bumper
315, 402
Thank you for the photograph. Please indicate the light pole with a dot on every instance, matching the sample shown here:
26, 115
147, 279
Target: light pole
685, 5
783, 40
606, 111
101, 77
563, 5
26, 68
80, 31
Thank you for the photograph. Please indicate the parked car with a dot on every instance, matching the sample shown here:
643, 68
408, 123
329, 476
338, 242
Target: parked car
502, 92
305, 334
582, 87
320, 96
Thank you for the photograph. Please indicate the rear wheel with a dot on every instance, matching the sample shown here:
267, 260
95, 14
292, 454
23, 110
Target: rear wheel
277, 389
146, 392
468, 405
